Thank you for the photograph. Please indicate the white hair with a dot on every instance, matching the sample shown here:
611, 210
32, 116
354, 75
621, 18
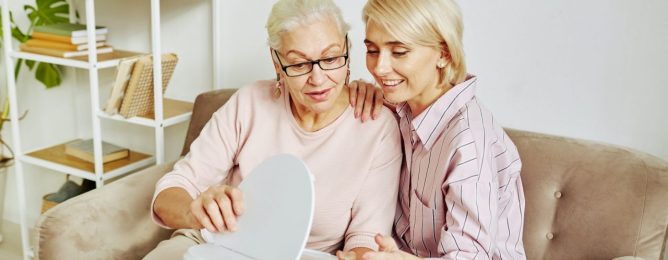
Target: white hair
287, 14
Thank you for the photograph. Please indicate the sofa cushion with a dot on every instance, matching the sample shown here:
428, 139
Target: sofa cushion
586, 200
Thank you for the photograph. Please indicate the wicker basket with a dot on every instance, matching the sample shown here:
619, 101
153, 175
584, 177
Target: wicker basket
47, 204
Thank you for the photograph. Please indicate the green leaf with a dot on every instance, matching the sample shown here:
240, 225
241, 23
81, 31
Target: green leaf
44, 13
48, 12
19, 35
30, 64
48, 74
1, 34
17, 68
15, 31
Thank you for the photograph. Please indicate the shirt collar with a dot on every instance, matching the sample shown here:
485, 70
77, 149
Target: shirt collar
430, 123
402, 109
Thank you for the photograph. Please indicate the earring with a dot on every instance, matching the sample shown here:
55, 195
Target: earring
441, 64
348, 77
277, 87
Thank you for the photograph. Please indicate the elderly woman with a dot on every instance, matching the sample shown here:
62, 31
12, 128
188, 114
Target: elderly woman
460, 192
305, 112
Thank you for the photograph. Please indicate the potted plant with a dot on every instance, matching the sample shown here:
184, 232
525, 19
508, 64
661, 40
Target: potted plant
44, 12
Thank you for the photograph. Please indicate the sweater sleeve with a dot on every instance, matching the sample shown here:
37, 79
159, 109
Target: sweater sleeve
212, 155
374, 207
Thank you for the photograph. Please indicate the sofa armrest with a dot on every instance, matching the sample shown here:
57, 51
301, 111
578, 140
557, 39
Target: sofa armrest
111, 222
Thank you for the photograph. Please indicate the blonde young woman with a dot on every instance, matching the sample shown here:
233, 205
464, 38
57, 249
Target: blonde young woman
460, 192
305, 113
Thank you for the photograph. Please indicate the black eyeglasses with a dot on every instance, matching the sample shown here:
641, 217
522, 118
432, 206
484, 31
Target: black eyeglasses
304, 68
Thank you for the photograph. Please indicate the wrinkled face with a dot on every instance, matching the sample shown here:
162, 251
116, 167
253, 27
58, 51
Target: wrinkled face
405, 72
317, 90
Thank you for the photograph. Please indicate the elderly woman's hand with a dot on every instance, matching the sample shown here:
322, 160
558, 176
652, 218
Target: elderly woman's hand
217, 209
366, 98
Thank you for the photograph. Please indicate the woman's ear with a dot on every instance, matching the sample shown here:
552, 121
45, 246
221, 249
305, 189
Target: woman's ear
277, 67
445, 53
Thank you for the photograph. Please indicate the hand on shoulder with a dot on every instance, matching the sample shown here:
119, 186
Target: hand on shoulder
366, 99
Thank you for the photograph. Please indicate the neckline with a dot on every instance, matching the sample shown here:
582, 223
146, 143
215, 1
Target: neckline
293, 121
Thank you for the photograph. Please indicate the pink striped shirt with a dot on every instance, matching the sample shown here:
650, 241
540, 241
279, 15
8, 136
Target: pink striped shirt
460, 194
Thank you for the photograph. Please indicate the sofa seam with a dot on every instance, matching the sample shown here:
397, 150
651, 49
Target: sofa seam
644, 207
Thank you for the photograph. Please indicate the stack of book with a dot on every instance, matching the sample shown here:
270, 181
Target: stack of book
65, 40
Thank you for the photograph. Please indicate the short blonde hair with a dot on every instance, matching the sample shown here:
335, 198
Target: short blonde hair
288, 14
431, 23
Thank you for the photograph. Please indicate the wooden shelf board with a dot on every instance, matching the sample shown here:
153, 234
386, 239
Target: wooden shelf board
57, 154
116, 54
172, 108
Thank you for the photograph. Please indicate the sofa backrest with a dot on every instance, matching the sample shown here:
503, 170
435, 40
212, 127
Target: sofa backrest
205, 105
586, 200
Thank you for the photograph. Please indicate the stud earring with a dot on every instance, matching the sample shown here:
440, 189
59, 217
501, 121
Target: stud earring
440, 64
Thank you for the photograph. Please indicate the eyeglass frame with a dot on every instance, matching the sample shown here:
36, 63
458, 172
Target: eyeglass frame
313, 62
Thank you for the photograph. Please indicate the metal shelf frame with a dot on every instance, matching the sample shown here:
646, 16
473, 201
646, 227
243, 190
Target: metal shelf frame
92, 65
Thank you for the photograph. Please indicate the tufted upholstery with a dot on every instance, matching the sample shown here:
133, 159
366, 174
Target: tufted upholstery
583, 201
591, 201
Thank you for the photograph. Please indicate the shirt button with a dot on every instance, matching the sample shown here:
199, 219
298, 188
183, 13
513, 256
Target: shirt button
550, 236
557, 194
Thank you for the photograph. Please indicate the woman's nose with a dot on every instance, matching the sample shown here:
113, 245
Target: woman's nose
383, 65
317, 76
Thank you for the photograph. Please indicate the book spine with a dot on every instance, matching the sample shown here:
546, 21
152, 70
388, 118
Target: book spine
84, 33
52, 37
61, 53
68, 32
65, 39
55, 45
52, 30
103, 50
44, 51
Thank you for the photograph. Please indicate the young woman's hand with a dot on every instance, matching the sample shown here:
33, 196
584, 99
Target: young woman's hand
388, 249
353, 254
366, 98
217, 209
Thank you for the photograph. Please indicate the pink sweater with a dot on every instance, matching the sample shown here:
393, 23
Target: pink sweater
356, 165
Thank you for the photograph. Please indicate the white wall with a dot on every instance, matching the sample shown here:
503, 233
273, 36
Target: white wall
588, 69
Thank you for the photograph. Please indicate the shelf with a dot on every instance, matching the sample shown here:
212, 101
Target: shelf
55, 158
174, 112
106, 60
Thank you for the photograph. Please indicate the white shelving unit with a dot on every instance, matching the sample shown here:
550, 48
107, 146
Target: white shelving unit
167, 112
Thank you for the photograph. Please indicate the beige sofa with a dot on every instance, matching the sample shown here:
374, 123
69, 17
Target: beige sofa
584, 200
